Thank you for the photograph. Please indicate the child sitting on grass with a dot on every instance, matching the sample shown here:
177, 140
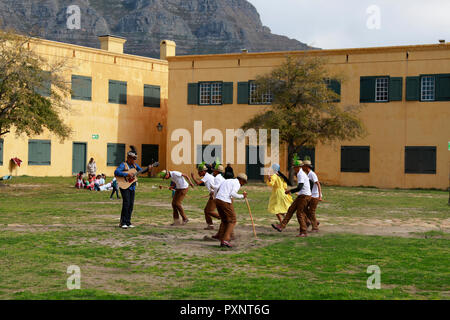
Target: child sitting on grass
80, 183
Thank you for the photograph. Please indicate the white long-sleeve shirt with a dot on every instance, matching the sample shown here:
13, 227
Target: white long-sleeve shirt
208, 180
179, 180
218, 180
228, 190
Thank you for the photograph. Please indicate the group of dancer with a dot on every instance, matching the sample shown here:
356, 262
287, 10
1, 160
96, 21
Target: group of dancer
222, 193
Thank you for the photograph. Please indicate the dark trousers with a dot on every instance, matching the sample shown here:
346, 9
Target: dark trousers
116, 191
127, 206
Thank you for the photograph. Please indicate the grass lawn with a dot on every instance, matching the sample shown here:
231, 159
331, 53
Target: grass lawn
46, 226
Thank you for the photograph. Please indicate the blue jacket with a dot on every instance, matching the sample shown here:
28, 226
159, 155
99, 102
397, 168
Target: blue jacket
120, 172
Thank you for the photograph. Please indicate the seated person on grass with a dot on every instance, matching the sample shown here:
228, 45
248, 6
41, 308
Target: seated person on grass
80, 183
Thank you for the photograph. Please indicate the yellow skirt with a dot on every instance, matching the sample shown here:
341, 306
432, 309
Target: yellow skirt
279, 201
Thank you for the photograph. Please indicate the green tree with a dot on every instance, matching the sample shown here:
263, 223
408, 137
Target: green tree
304, 108
32, 90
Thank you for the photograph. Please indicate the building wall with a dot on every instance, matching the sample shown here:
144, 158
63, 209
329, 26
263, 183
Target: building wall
391, 126
129, 124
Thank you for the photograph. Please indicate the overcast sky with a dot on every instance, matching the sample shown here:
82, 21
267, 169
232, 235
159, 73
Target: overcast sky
331, 24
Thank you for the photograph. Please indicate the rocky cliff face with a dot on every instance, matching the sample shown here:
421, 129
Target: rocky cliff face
197, 26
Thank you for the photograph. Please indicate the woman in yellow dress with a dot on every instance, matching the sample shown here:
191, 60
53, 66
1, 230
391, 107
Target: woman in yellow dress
279, 202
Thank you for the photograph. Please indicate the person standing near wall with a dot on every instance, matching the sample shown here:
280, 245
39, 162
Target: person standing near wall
92, 167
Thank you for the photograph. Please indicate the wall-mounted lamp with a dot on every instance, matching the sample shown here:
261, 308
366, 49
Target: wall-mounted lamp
159, 127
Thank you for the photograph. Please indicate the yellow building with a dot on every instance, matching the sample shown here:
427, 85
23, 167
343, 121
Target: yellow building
121, 100
405, 91
118, 100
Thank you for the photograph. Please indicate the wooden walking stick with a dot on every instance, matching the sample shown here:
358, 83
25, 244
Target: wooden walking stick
251, 217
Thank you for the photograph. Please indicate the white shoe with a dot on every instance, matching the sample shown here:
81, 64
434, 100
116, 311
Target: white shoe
124, 226
131, 226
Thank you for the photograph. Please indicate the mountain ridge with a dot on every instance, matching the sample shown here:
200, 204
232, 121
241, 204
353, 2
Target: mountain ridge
197, 26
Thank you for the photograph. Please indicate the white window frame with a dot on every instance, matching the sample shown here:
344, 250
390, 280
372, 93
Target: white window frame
265, 98
382, 89
428, 88
210, 93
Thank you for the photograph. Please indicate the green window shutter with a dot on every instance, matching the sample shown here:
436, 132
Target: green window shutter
420, 160
122, 93
115, 154
112, 96
443, 87
152, 96
367, 89
33, 152
355, 159
412, 88
46, 152
335, 86
1, 152
117, 92
395, 89
87, 89
81, 88
39, 152
193, 93
227, 93
243, 93
44, 88
110, 158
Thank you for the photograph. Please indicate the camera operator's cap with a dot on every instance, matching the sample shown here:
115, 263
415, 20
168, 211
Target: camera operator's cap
162, 174
243, 176
219, 168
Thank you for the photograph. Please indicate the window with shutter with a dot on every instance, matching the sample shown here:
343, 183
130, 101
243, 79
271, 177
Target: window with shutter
117, 92
81, 88
152, 96
355, 159
243, 93
210, 93
256, 97
44, 88
115, 154
420, 160
412, 88
39, 152
382, 89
